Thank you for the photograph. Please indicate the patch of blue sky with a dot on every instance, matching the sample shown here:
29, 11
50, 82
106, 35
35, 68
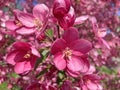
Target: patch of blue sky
19, 4
35, 2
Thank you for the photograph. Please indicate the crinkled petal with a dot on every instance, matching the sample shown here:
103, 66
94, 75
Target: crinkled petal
26, 19
11, 56
59, 61
92, 86
26, 31
75, 64
71, 35
22, 67
81, 19
41, 11
58, 46
73, 74
35, 52
81, 45
11, 25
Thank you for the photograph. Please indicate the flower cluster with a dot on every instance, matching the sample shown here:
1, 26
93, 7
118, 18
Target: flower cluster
59, 45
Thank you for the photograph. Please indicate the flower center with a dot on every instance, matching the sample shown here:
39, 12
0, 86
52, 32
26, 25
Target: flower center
18, 23
37, 22
27, 55
67, 52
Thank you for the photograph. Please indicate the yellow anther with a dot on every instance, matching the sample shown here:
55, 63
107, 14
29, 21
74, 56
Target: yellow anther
67, 52
37, 22
18, 23
27, 55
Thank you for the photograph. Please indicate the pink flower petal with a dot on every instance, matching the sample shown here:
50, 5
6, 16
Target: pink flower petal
41, 11
25, 31
71, 35
11, 25
33, 60
101, 32
91, 70
26, 19
92, 77
21, 46
77, 53
59, 61
86, 66
58, 46
11, 56
61, 7
73, 74
92, 86
105, 43
81, 45
75, 64
84, 87
68, 20
22, 67
81, 19
35, 52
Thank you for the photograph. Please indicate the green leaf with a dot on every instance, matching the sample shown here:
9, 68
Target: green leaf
49, 33
3, 86
60, 77
107, 70
13, 75
15, 87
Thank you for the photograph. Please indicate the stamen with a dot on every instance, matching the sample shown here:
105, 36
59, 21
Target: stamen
37, 22
67, 52
18, 23
27, 55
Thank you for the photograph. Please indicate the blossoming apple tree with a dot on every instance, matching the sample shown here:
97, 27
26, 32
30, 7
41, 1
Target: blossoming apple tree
59, 45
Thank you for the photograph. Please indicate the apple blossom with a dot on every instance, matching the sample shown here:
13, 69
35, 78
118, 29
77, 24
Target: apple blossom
69, 50
23, 56
61, 8
90, 82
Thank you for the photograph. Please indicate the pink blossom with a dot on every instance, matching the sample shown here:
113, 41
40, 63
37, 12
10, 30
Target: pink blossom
90, 82
69, 52
61, 8
14, 24
23, 56
40, 13
27, 23
68, 20
99, 32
